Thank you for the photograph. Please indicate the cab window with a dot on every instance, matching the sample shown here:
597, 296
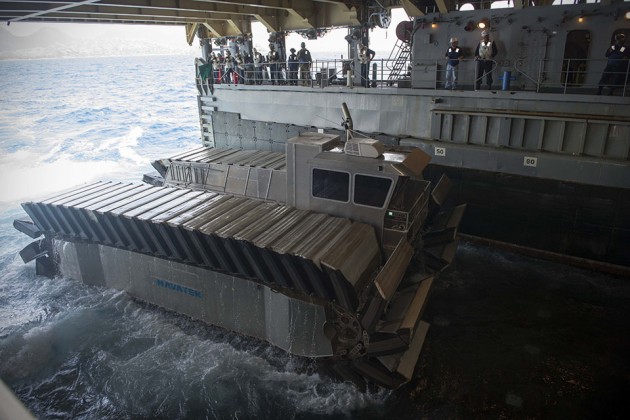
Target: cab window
371, 190
331, 185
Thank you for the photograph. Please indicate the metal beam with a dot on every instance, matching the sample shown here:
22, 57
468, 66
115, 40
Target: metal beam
37, 8
445, 6
181, 18
410, 8
337, 15
276, 15
150, 11
59, 8
191, 31
272, 23
225, 27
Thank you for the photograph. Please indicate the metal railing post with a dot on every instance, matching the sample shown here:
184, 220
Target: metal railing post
435, 75
382, 74
538, 81
566, 76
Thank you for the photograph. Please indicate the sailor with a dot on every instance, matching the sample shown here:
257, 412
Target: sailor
240, 68
249, 68
216, 67
304, 61
484, 54
616, 70
220, 68
293, 66
272, 59
365, 56
258, 66
453, 55
229, 67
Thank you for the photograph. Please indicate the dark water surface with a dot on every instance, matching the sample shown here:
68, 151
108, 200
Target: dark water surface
510, 337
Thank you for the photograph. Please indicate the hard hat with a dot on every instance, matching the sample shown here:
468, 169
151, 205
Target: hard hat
484, 33
620, 37
292, 50
302, 45
453, 40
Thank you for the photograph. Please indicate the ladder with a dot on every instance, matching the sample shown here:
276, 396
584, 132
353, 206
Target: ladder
400, 56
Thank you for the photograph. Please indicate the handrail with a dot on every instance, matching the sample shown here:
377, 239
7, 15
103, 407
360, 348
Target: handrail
519, 71
565, 76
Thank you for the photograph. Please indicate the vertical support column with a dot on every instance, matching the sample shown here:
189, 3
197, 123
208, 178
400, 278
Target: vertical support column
279, 42
354, 38
205, 42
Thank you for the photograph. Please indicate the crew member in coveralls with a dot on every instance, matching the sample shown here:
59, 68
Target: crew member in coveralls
484, 54
616, 70
453, 55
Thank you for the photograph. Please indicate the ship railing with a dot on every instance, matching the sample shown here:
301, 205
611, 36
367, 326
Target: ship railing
577, 75
564, 76
335, 72
428, 73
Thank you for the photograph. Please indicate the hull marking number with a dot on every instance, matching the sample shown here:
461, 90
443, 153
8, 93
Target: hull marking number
530, 161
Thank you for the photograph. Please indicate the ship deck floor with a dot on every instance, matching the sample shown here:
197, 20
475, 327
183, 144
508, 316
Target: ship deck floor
517, 337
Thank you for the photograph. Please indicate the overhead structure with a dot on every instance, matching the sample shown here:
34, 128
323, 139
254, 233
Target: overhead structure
219, 18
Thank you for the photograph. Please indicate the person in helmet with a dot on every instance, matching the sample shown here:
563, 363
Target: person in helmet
365, 56
216, 67
293, 67
228, 63
484, 54
616, 70
273, 58
453, 55
258, 67
239, 64
305, 60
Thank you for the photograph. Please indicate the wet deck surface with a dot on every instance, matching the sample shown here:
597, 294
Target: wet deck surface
515, 337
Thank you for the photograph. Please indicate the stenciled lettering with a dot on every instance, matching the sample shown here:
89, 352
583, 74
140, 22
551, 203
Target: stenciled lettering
178, 288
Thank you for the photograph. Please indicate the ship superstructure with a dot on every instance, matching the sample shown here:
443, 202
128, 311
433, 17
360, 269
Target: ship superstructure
539, 157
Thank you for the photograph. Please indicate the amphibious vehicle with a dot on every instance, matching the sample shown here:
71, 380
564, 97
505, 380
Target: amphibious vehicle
327, 251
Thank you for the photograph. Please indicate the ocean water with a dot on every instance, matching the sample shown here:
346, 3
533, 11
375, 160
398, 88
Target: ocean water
71, 350
510, 336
